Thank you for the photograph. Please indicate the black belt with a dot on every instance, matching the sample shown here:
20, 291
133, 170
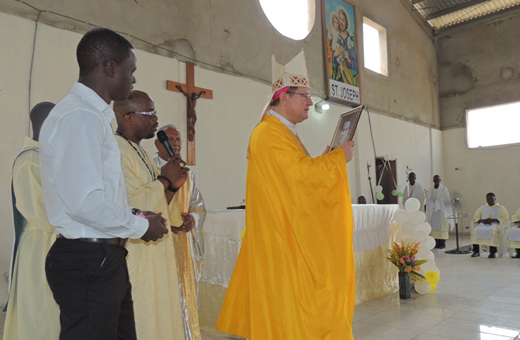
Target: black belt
115, 241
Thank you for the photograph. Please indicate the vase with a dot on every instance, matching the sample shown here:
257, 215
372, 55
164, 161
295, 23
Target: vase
405, 288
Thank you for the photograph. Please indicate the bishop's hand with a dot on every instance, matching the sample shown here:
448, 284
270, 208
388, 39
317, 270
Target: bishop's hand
348, 149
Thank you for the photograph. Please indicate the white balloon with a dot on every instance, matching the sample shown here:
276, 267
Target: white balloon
424, 227
422, 287
420, 236
408, 227
408, 240
418, 217
401, 236
430, 243
428, 265
437, 270
412, 204
422, 252
386, 157
401, 215
379, 188
430, 256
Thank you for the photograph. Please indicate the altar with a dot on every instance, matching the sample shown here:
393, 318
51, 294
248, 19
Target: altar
375, 276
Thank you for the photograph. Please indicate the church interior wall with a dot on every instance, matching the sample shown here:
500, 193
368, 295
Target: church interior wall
403, 122
478, 67
472, 173
235, 36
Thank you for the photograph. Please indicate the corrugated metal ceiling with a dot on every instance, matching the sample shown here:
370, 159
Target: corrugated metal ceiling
441, 14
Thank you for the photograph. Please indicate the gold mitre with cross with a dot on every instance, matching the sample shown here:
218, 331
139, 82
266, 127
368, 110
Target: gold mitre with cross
294, 73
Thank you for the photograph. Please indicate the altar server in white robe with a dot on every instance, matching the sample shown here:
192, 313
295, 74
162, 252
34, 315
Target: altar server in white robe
438, 209
415, 190
189, 199
32, 312
488, 218
514, 234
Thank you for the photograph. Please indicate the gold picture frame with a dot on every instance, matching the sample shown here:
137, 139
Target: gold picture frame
346, 128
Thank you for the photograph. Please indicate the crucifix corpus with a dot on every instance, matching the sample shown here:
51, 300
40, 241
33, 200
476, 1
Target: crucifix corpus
192, 93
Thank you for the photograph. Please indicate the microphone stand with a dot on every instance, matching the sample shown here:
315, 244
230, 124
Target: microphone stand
459, 215
370, 182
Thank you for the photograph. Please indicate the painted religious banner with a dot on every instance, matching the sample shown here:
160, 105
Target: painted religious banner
341, 51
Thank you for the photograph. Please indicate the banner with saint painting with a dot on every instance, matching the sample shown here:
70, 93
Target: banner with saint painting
341, 51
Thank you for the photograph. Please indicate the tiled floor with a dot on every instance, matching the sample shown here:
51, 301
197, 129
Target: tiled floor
477, 298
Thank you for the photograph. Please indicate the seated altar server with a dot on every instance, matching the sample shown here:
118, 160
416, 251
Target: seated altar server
438, 209
294, 278
514, 234
488, 217
414, 189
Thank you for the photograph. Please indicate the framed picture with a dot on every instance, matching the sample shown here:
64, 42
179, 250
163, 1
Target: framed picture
346, 128
340, 46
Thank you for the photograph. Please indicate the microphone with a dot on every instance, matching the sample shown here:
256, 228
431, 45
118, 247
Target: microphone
163, 138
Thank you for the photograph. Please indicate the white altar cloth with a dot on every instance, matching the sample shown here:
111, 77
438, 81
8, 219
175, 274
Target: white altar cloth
223, 229
375, 275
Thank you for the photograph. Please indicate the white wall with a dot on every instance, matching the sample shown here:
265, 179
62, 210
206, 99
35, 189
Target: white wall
481, 171
223, 127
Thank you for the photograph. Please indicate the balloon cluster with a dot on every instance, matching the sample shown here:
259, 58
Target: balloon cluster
415, 229
379, 193
396, 192
389, 157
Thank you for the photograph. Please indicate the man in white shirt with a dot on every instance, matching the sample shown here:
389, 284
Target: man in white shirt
85, 196
414, 189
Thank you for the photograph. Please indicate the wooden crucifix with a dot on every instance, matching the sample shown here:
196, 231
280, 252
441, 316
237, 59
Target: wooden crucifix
192, 93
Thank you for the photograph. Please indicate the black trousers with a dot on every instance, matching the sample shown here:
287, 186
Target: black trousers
492, 250
90, 283
440, 243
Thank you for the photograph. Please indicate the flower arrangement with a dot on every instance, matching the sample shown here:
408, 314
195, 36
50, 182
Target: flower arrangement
404, 258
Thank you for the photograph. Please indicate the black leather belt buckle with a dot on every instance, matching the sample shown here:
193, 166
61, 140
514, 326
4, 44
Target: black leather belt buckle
114, 241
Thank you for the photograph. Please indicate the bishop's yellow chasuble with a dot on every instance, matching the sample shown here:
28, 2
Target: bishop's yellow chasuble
295, 276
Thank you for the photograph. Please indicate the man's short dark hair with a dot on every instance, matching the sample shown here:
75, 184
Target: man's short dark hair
100, 46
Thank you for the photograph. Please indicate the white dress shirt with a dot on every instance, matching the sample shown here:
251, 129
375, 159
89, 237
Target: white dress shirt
82, 179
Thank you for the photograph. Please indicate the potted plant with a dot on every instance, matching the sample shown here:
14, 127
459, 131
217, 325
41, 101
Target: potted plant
404, 258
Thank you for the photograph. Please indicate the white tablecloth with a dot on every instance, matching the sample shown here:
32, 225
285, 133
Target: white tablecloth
223, 228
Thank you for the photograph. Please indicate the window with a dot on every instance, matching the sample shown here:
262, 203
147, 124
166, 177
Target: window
492, 126
292, 18
374, 46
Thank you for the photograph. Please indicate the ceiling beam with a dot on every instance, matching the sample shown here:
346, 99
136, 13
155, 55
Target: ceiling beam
480, 21
419, 19
452, 9
416, 1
